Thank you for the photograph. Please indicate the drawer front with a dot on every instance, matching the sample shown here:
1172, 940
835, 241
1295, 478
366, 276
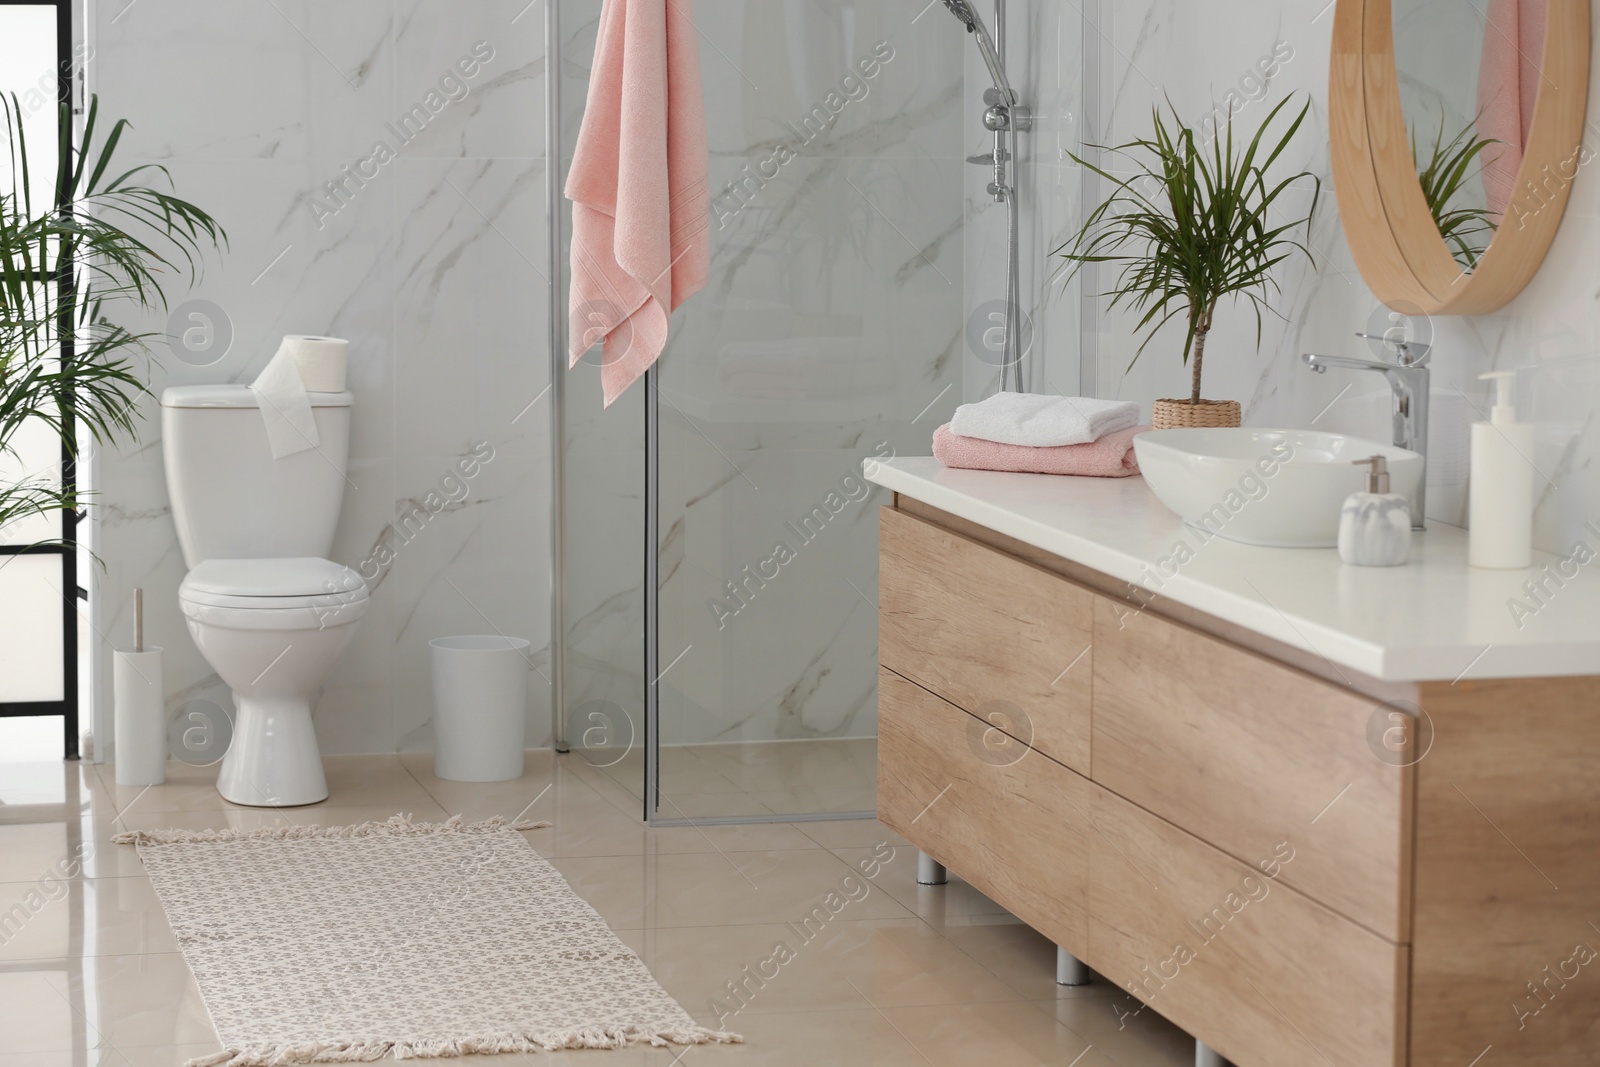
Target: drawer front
1259, 972
1005, 818
1245, 753
989, 633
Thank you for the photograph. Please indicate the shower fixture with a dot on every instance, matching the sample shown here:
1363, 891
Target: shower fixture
1004, 117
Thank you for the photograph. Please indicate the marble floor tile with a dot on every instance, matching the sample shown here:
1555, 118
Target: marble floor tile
138, 1000
48, 792
188, 787
163, 1055
1020, 956
72, 848
1007, 1034
36, 1018
475, 801
957, 903
88, 918
778, 766
841, 964
717, 889
850, 833
1116, 1025
83, 1057
808, 777
883, 972
747, 837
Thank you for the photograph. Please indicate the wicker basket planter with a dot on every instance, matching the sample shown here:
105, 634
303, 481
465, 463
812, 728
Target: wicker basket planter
1170, 414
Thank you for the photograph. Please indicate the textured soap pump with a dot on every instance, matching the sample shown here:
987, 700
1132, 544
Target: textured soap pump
1500, 514
1375, 526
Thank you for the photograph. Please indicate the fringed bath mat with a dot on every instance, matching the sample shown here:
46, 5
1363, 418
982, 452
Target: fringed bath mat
323, 944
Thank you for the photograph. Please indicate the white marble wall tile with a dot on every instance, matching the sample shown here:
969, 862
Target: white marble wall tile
245, 79
853, 259
496, 112
476, 567
789, 661
767, 66
470, 311
408, 267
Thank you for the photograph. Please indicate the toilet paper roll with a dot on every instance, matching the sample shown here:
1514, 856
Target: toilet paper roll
321, 361
285, 405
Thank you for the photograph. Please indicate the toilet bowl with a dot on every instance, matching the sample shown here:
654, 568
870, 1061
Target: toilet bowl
273, 629
265, 607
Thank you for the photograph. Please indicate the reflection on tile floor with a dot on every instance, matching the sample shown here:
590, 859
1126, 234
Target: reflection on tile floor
90, 977
814, 776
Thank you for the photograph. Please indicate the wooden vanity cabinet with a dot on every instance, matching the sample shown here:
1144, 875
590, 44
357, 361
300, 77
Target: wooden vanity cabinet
1251, 849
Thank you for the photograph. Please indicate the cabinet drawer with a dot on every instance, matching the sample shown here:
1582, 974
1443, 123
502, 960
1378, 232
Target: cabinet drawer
1245, 753
1005, 818
989, 633
1246, 964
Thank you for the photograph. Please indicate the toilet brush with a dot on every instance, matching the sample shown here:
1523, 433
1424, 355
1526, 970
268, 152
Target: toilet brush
138, 708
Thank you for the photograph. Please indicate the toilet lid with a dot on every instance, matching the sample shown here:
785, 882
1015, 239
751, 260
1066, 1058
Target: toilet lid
272, 583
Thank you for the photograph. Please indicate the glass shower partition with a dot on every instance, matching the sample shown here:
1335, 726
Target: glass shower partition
728, 486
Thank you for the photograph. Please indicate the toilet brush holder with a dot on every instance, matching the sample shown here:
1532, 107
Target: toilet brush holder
139, 717
138, 708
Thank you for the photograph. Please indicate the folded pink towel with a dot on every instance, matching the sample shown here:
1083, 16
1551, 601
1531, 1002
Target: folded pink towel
1110, 457
641, 202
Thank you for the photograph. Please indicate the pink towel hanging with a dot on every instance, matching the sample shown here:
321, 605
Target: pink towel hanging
641, 205
1508, 86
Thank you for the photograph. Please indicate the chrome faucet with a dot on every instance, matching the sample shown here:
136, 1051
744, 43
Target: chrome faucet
1408, 377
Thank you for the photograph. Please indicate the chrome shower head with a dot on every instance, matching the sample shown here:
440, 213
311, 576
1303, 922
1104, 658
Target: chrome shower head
962, 10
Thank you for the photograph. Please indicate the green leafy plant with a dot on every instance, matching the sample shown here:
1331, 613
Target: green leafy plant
1190, 226
1444, 172
101, 240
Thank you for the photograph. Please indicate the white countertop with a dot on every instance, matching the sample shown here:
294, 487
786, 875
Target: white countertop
1435, 619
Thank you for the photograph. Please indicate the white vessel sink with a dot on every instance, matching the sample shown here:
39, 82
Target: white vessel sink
1279, 488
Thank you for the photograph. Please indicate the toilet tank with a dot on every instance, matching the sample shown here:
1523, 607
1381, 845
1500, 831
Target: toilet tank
230, 498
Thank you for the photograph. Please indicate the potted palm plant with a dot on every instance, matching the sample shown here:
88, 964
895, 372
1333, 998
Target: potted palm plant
102, 241
1188, 224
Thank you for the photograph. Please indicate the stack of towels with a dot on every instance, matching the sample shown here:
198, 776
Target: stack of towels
1037, 434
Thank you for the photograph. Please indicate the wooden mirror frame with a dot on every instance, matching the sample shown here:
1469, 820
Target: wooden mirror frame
1391, 233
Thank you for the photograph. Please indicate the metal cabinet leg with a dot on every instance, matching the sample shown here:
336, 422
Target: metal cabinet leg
929, 870
1070, 970
1206, 1056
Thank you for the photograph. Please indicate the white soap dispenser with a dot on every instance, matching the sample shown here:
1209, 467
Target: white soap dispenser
1375, 526
1501, 509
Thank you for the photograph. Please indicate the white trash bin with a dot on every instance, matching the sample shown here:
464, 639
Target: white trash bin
480, 699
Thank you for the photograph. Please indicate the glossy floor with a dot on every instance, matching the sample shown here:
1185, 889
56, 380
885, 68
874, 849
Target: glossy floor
90, 973
813, 776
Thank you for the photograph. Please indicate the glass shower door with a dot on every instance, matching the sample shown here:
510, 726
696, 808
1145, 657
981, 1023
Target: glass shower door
831, 332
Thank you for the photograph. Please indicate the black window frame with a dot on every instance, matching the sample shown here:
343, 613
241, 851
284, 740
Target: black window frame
67, 706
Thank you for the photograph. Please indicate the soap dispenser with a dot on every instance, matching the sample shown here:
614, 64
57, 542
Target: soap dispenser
1501, 510
1375, 526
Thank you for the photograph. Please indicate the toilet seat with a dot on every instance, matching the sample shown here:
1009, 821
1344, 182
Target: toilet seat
271, 585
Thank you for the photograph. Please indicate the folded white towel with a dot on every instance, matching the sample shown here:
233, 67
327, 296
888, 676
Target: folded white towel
1043, 421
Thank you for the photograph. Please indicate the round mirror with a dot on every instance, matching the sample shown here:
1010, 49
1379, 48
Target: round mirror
1456, 129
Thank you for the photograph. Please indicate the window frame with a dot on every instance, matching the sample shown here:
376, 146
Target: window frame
68, 706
